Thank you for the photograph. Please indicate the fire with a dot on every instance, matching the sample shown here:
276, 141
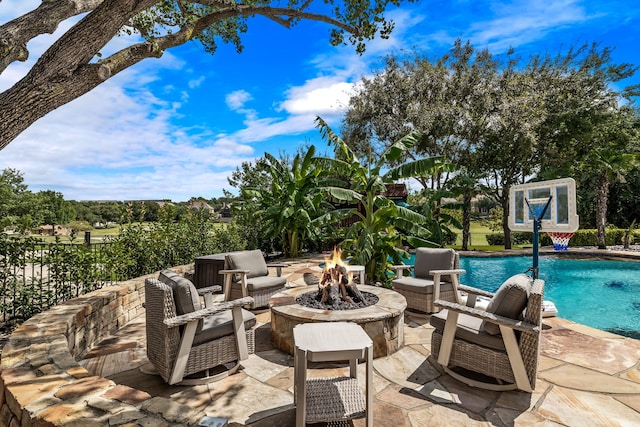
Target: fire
337, 281
335, 259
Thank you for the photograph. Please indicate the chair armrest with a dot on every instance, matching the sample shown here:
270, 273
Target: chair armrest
399, 269
447, 272
233, 271
489, 317
209, 290
278, 266
475, 291
205, 312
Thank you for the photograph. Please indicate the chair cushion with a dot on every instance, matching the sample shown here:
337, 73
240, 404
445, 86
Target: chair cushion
185, 294
469, 329
428, 259
265, 282
413, 284
220, 325
509, 301
248, 260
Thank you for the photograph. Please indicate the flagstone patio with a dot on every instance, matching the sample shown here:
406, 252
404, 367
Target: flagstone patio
586, 377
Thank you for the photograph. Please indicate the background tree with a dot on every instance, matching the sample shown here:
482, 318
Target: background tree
12, 188
506, 153
624, 200
579, 90
53, 209
616, 151
69, 69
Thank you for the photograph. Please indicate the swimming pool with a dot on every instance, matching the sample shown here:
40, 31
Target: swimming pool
603, 294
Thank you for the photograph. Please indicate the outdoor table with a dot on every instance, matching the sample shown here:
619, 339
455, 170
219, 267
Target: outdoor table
336, 398
359, 269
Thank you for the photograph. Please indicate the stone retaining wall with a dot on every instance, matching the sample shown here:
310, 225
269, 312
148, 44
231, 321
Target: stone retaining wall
42, 384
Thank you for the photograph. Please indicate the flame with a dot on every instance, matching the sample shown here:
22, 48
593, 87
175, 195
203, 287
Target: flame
333, 260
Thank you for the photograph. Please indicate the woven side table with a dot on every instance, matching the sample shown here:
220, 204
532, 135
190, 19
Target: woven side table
338, 398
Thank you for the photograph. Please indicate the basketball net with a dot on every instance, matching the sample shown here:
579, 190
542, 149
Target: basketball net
560, 240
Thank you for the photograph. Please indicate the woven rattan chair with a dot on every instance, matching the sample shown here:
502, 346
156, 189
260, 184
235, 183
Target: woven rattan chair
496, 343
436, 275
247, 274
185, 339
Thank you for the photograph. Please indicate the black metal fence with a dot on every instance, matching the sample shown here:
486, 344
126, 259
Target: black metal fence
35, 275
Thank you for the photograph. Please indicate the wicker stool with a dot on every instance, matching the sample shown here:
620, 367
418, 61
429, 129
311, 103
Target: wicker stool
338, 398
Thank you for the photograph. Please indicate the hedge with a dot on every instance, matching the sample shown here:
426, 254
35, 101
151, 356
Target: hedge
585, 237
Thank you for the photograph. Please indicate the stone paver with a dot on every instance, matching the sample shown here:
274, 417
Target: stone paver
407, 367
577, 377
579, 408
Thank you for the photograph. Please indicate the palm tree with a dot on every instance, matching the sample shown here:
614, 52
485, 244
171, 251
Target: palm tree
615, 140
376, 240
610, 165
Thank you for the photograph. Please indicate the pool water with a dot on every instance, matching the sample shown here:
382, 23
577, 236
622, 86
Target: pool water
603, 294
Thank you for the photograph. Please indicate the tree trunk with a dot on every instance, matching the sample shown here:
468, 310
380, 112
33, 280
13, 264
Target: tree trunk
64, 72
466, 219
504, 202
602, 196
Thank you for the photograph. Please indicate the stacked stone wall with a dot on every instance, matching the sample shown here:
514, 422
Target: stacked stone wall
42, 383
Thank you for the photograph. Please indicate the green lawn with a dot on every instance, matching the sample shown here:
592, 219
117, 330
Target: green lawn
478, 241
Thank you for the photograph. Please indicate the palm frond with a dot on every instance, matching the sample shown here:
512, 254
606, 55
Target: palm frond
424, 167
343, 194
398, 148
417, 242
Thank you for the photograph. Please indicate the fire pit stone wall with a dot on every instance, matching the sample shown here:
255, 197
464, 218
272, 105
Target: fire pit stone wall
383, 321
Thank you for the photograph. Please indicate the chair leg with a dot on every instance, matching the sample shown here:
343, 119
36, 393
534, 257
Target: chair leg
183, 352
240, 334
515, 359
448, 336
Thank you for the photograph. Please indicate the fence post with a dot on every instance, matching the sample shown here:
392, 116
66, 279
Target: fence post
87, 238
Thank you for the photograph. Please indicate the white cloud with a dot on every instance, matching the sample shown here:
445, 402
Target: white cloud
236, 100
323, 95
525, 21
196, 82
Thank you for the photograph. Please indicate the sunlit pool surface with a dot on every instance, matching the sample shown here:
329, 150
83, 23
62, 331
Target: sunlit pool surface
603, 294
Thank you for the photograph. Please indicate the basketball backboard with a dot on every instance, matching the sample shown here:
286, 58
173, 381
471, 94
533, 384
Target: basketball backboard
528, 200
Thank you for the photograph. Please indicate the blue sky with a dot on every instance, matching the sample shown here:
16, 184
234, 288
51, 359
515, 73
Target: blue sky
176, 127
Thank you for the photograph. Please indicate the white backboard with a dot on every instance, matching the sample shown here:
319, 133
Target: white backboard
561, 215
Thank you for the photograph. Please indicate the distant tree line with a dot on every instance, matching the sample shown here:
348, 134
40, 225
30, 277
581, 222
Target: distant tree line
25, 210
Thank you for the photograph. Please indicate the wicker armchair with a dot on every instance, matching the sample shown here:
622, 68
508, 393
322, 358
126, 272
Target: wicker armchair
247, 274
494, 343
184, 339
436, 275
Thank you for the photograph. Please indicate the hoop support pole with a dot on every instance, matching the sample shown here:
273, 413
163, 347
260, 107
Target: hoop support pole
537, 223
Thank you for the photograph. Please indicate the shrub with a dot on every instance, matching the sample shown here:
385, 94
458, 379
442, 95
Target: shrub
495, 239
589, 237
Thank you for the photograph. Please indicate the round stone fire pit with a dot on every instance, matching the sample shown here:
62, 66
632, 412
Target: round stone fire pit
383, 322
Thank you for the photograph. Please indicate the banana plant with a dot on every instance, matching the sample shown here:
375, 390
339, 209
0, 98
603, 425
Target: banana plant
290, 205
376, 240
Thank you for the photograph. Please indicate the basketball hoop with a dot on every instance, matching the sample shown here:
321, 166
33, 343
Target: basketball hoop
560, 240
